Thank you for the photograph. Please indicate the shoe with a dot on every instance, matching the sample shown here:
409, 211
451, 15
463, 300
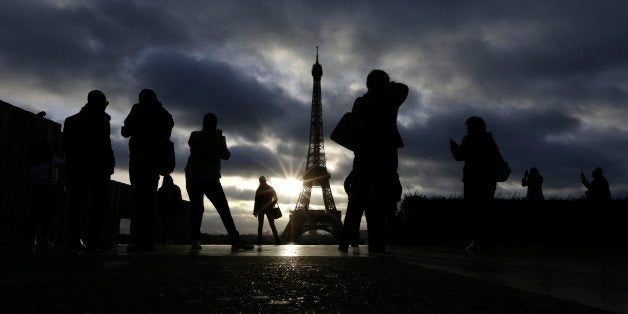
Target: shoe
78, 246
343, 248
471, 247
241, 245
196, 246
140, 248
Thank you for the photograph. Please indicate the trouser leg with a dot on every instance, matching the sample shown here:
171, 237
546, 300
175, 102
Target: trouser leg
195, 193
99, 204
77, 190
217, 196
376, 222
351, 227
144, 187
260, 226
271, 222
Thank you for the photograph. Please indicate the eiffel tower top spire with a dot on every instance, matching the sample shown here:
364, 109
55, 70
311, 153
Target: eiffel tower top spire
315, 166
317, 69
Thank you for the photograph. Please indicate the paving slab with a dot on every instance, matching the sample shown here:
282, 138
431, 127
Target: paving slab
287, 278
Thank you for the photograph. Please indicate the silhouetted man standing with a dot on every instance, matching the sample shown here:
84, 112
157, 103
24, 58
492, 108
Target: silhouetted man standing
89, 166
202, 175
149, 125
597, 189
375, 182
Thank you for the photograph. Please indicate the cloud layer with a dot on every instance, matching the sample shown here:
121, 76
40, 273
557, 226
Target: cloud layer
550, 79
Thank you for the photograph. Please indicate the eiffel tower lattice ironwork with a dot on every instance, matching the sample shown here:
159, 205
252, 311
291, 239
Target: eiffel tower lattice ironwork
302, 219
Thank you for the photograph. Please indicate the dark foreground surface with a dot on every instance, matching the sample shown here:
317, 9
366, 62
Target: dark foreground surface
284, 278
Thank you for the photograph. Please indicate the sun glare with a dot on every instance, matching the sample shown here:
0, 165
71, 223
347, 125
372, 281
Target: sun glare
287, 186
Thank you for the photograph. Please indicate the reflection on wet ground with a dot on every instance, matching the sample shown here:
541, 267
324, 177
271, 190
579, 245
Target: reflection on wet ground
316, 278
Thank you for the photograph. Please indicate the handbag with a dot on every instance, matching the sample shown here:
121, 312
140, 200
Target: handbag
275, 212
345, 132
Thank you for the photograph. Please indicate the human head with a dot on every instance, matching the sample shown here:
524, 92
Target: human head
97, 97
210, 121
475, 124
147, 96
167, 180
597, 172
534, 171
262, 180
377, 80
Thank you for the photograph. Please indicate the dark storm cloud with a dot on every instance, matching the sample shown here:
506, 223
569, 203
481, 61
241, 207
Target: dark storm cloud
83, 41
196, 87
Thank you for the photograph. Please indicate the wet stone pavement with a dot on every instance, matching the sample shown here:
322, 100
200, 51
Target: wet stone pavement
272, 279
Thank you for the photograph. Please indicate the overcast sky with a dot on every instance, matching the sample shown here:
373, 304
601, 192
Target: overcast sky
550, 78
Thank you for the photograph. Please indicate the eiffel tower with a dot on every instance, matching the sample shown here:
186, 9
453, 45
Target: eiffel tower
302, 219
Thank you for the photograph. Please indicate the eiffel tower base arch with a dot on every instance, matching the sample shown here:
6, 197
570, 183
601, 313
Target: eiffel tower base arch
302, 221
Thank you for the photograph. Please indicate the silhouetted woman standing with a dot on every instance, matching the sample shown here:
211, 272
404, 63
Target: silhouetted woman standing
265, 199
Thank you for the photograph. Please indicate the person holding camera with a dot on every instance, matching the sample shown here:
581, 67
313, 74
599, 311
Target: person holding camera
534, 181
265, 201
597, 189
376, 188
202, 175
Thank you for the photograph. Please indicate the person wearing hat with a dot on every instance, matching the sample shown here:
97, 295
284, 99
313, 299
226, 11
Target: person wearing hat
89, 162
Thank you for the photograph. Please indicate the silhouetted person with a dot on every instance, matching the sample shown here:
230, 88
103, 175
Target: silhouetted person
534, 181
170, 205
265, 199
89, 164
149, 125
478, 150
597, 189
202, 175
43, 174
376, 186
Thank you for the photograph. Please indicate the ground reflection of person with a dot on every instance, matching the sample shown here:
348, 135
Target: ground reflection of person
375, 183
148, 125
478, 150
265, 199
202, 175
43, 174
89, 164
534, 181
597, 189
169, 206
